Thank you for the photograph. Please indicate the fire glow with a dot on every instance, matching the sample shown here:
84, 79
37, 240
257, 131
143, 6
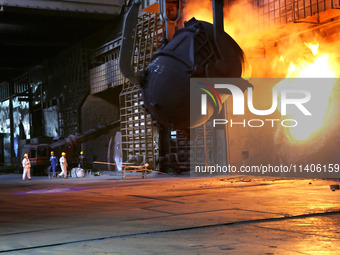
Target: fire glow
319, 67
293, 58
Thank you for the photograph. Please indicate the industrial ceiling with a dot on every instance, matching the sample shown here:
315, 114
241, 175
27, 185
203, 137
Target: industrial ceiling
32, 31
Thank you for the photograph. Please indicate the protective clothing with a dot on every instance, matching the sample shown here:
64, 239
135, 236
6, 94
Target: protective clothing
63, 166
81, 160
26, 164
54, 162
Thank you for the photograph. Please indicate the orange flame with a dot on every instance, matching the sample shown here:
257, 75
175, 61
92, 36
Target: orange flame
321, 66
284, 55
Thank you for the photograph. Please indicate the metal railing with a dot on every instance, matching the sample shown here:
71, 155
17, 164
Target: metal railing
266, 13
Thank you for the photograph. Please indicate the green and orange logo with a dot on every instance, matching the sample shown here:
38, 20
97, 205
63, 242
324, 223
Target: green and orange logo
215, 97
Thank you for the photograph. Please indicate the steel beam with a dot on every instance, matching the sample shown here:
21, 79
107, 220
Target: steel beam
87, 6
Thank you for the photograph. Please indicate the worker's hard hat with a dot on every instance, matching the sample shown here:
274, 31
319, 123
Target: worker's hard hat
81, 152
26, 155
52, 152
63, 154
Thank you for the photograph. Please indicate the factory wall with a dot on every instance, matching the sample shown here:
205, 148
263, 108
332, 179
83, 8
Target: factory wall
252, 145
21, 124
97, 111
5, 152
4, 117
51, 121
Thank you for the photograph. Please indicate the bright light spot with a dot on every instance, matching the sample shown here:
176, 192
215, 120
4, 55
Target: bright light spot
320, 67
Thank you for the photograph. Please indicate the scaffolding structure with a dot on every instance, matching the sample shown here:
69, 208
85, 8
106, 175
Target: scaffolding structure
136, 126
180, 145
267, 13
73, 75
139, 134
202, 148
4, 91
105, 72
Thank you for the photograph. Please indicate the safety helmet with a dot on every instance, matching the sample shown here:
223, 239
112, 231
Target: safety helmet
81, 152
52, 152
63, 154
26, 155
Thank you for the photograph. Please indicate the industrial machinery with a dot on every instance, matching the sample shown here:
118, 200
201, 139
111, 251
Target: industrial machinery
39, 154
199, 50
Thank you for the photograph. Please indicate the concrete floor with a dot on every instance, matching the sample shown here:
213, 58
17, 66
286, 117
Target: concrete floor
168, 215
